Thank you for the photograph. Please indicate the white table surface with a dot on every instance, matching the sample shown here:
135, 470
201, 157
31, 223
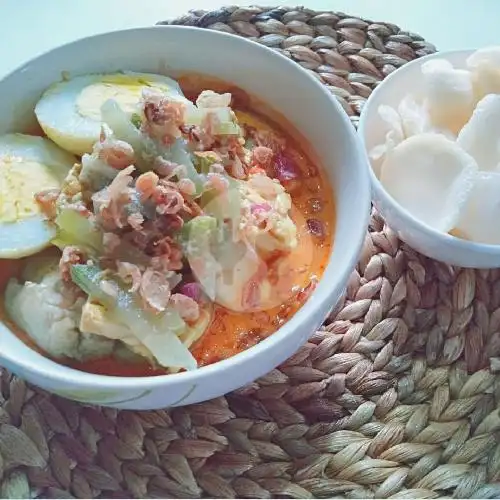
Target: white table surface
30, 27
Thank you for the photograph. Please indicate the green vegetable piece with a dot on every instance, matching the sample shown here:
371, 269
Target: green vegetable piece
73, 228
158, 332
136, 120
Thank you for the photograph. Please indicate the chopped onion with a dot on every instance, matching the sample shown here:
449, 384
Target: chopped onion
285, 168
316, 227
191, 290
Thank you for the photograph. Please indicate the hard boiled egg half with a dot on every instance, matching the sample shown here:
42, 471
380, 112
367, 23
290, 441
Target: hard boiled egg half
69, 111
28, 164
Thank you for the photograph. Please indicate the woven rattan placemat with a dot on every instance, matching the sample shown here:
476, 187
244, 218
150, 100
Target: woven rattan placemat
396, 397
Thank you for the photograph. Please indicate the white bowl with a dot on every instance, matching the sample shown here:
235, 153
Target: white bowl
263, 73
371, 130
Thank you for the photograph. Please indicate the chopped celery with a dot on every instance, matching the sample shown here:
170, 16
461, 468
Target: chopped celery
96, 173
158, 333
123, 129
145, 148
199, 237
136, 120
213, 255
88, 279
249, 143
225, 206
146, 209
178, 153
203, 162
234, 203
225, 119
227, 251
73, 228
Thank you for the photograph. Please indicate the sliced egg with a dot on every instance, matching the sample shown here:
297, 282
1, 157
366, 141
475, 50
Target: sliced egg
479, 219
431, 177
28, 165
69, 112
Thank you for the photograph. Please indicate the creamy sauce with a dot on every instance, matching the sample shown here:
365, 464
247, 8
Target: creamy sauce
230, 332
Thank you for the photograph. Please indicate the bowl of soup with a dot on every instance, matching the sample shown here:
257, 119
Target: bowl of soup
174, 222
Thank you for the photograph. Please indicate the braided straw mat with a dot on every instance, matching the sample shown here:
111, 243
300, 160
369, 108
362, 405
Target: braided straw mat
397, 396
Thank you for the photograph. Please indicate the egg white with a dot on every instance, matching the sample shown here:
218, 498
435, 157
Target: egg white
69, 111
27, 164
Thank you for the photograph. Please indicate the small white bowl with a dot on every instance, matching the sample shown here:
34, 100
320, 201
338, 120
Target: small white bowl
287, 88
371, 130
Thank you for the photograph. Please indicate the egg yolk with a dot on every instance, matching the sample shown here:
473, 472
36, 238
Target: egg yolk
124, 90
19, 181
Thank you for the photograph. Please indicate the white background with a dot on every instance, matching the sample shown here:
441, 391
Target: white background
30, 27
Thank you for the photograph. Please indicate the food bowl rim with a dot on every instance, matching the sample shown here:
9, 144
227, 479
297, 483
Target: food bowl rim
52, 371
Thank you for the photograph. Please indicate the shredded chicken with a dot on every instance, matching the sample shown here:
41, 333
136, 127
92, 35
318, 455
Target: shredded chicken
154, 290
46, 200
217, 182
262, 156
110, 202
117, 154
130, 274
186, 307
146, 185
71, 255
164, 117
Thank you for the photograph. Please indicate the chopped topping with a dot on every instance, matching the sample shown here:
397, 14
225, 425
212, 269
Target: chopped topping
186, 187
167, 169
168, 199
110, 288
262, 156
154, 290
135, 220
285, 168
218, 182
130, 274
110, 202
117, 154
164, 116
186, 307
46, 200
316, 227
71, 255
210, 99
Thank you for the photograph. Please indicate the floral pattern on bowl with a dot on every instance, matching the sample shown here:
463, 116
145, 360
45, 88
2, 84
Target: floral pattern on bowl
99, 397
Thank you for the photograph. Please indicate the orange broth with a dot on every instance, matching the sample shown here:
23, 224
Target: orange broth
230, 332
